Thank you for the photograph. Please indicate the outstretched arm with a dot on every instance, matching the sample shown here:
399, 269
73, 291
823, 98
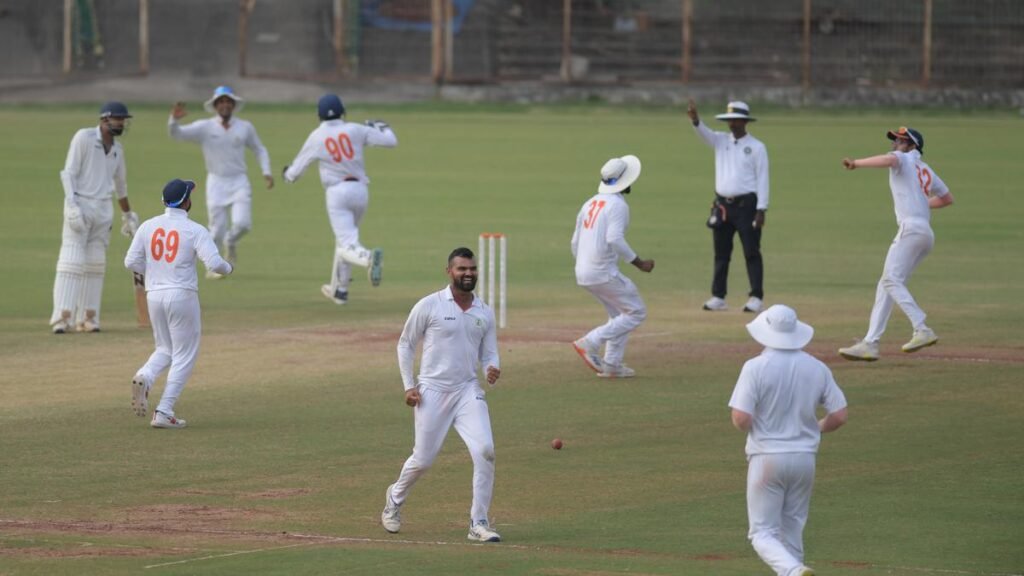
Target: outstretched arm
880, 161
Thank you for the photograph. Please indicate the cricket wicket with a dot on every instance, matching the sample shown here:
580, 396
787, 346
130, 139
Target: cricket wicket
486, 283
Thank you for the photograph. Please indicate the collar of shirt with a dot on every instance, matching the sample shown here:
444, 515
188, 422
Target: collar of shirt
737, 140
176, 213
451, 296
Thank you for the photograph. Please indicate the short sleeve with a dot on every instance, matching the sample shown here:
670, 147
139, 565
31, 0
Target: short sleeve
832, 398
744, 397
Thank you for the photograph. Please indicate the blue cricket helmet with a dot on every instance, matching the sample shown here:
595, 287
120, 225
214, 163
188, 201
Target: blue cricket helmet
177, 191
114, 109
330, 107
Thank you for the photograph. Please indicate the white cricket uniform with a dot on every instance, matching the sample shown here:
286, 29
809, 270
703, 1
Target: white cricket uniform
741, 166
228, 191
782, 390
597, 244
165, 249
457, 344
339, 147
91, 177
912, 182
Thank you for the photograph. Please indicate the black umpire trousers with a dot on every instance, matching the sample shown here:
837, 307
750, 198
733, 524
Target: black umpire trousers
739, 218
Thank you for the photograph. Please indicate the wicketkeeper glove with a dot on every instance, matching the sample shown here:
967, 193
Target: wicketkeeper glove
378, 124
129, 223
73, 215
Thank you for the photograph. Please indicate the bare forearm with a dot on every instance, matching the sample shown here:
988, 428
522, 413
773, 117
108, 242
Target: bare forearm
832, 421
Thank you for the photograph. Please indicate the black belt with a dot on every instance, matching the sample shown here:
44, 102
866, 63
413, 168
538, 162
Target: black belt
734, 199
351, 179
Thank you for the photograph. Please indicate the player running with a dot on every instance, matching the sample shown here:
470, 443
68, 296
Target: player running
338, 146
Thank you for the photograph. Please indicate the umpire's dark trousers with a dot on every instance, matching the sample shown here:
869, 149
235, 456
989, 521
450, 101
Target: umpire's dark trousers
739, 217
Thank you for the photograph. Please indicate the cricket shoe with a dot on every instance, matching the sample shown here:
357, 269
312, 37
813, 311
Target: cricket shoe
716, 304
590, 354
753, 305
338, 296
140, 395
63, 326
391, 517
616, 371
803, 571
90, 324
863, 350
922, 338
161, 420
479, 531
375, 271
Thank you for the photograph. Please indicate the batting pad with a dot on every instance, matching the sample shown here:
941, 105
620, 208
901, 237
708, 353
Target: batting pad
66, 292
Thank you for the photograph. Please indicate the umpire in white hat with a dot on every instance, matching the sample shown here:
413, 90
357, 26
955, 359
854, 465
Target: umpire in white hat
775, 402
741, 199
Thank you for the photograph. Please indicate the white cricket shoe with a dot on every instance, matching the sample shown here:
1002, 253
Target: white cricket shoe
803, 571
161, 420
336, 296
140, 395
863, 350
479, 531
616, 371
922, 338
391, 517
753, 305
62, 326
90, 324
715, 304
374, 270
591, 354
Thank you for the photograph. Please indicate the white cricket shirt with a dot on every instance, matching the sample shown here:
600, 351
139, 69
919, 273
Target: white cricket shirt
456, 343
223, 148
912, 181
600, 239
91, 172
741, 166
338, 145
782, 389
165, 249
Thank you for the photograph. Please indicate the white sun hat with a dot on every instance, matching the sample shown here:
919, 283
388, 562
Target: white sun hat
778, 327
224, 91
618, 174
737, 110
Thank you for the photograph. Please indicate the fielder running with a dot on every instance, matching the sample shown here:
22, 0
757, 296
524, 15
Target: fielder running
597, 244
93, 173
916, 191
224, 139
338, 146
165, 249
459, 338
775, 402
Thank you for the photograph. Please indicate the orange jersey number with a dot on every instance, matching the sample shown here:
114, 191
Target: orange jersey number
340, 148
595, 209
925, 179
164, 245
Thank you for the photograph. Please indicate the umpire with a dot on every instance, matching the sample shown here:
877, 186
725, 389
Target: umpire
741, 199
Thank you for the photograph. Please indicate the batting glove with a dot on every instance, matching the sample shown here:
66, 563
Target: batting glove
129, 223
73, 216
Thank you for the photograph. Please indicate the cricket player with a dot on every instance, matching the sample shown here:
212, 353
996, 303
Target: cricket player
775, 402
741, 200
597, 244
93, 173
224, 139
459, 338
165, 249
916, 191
339, 147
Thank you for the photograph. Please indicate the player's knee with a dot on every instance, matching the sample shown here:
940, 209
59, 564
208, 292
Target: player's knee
484, 452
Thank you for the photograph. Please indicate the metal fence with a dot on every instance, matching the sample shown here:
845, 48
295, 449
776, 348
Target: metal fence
813, 43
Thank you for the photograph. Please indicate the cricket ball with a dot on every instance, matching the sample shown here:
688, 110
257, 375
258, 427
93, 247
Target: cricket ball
556, 444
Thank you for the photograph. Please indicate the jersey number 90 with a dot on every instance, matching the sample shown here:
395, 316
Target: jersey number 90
340, 148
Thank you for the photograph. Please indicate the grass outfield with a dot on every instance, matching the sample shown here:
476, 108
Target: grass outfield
296, 420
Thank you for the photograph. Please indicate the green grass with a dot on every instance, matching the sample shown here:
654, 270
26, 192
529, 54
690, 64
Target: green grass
296, 418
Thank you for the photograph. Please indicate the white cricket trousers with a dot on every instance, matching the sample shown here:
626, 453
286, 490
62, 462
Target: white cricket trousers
778, 498
346, 205
626, 311
228, 207
436, 413
175, 317
914, 240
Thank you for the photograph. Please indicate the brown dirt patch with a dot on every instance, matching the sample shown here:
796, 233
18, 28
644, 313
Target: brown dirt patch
278, 493
89, 551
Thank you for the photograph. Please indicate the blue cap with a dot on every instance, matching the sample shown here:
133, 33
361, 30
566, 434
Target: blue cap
114, 109
177, 191
330, 107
